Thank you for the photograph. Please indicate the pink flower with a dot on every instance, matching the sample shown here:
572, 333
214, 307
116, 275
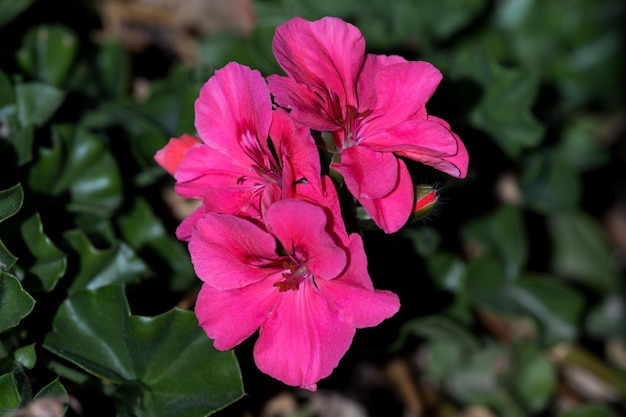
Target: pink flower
305, 287
249, 153
374, 108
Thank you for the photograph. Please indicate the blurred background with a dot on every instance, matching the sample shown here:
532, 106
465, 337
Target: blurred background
512, 288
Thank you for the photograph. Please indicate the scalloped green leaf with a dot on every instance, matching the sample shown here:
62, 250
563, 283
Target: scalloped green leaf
15, 303
113, 66
26, 355
9, 394
48, 52
532, 378
145, 234
37, 102
11, 200
54, 390
503, 234
78, 162
582, 251
48, 263
550, 184
99, 267
165, 365
504, 110
555, 308
10, 9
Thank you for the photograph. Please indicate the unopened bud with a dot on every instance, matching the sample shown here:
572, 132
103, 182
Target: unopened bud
170, 156
426, 197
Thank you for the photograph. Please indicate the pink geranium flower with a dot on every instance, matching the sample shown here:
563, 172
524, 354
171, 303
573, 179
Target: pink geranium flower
305, 287
374, 108
248, 152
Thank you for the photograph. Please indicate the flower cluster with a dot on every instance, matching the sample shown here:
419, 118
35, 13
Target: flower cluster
269, 241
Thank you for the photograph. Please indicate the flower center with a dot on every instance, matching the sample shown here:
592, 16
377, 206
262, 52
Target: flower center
351, 124
292, 277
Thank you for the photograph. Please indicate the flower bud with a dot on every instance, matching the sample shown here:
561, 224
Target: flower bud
425, 198
170, 156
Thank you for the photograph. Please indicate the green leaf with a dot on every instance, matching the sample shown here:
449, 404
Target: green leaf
54, 390
532, 378
37, 102
145, 234
113, 68
22, 143
606, 320
9, 394
48, 263
502, 234
78, 162
26, 355
48, 53
555, 307
99, 267
165, 364
448, 343
549, 184
15, 303
582, 251
9, 9
11, 201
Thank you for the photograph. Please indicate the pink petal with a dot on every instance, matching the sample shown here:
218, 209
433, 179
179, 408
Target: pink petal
353, 295
307, 108
203, 168
240, 200
296, 151
303, 338
402, 93
366, 85
170, 156
183, 231
367, 173
301, 229
230, 252
392, 211
233, 103
231, 316
429, 142
329, 201
325, 54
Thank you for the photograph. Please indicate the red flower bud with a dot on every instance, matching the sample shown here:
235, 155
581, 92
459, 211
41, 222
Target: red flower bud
425, 198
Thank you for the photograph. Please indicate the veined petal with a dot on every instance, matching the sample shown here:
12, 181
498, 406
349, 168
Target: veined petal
353, 295
171, 155
301, 229
329, 201
233, 103
203, 168
307, 108
303, 338
392, 211
229, 252
296, 150
367, 173
326, 54
231, 316
366, 86
402, 91
183, 231
429, 142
